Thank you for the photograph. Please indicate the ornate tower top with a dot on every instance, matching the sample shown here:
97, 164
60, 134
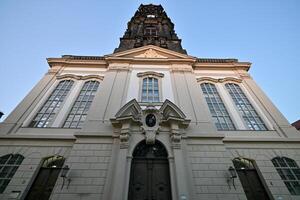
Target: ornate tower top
150, 25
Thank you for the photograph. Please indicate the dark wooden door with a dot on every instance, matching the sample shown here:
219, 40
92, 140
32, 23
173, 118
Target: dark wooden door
149, 176
43, 184
250, 180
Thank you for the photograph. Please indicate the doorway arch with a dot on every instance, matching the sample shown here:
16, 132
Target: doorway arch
149, 173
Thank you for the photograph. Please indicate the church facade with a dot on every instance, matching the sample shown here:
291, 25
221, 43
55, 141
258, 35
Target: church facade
148, 122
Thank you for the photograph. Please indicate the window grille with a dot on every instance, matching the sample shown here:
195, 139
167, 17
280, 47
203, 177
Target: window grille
216, 107
8, 167
289, 172
248, 113
81, 106
150, 90
51, 107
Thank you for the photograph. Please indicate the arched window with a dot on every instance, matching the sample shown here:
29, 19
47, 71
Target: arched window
82, 104
150, 90
46, 114
248, 113
8, 167
216, 107
289, 172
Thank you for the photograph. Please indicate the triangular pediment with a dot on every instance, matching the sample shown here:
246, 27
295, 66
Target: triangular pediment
132, 108
150, 52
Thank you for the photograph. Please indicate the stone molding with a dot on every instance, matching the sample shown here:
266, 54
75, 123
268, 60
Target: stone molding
150, 73
79, 77
131, 114
150, 53
219, 80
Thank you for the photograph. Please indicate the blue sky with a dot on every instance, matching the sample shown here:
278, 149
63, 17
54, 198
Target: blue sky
266, 33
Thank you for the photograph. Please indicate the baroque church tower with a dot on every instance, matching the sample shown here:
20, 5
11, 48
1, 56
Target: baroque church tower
148, 121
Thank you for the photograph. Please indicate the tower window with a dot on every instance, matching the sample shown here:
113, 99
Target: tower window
150, 31
50, 108
8, 167
150, 90
82, 104
289, 172
248, 113
216, 107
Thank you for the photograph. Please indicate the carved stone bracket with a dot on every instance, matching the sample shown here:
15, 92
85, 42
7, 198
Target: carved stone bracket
129, 114
176, 120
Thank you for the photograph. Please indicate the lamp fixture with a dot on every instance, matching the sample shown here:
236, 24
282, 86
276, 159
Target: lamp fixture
232, 176
64, 172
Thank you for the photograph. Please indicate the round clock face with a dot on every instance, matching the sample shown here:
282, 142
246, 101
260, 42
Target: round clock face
150, 120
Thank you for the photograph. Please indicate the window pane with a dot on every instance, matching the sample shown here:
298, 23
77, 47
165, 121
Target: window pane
82, 104
216, 107
8, 166
289, 172
246, 110
46, 114
150, 90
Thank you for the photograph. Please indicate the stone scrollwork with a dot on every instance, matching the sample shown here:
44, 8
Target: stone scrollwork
150, 120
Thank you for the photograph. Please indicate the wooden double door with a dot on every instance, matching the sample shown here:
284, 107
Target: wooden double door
150, 176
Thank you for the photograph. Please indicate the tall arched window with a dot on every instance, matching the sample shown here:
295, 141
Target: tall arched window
150, 90
82, 104
289, 172
216, 107
247, 111
8, 167
46, 114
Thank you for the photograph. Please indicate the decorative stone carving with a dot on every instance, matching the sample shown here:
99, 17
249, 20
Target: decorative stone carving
150, 25
128, 115
176, 120
79, 77
150, 73
150, 54
150, 128
150, 120
219, 80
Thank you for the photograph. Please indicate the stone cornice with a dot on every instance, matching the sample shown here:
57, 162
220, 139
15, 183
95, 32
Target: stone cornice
222, 65
219, 80
76, 62
79, 77
150, 73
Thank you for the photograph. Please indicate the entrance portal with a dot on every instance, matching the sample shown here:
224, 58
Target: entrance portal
250, 180
149, 175
44, 182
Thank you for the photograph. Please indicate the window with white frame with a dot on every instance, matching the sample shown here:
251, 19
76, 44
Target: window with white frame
216, 107
8, 167
150, 90
289, 172
245, 108
81, 106
46, 114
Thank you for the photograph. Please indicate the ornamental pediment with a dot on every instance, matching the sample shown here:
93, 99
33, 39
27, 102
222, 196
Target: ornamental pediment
149, 52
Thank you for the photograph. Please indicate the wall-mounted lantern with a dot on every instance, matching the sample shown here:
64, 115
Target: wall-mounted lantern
232, 176
64, 173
